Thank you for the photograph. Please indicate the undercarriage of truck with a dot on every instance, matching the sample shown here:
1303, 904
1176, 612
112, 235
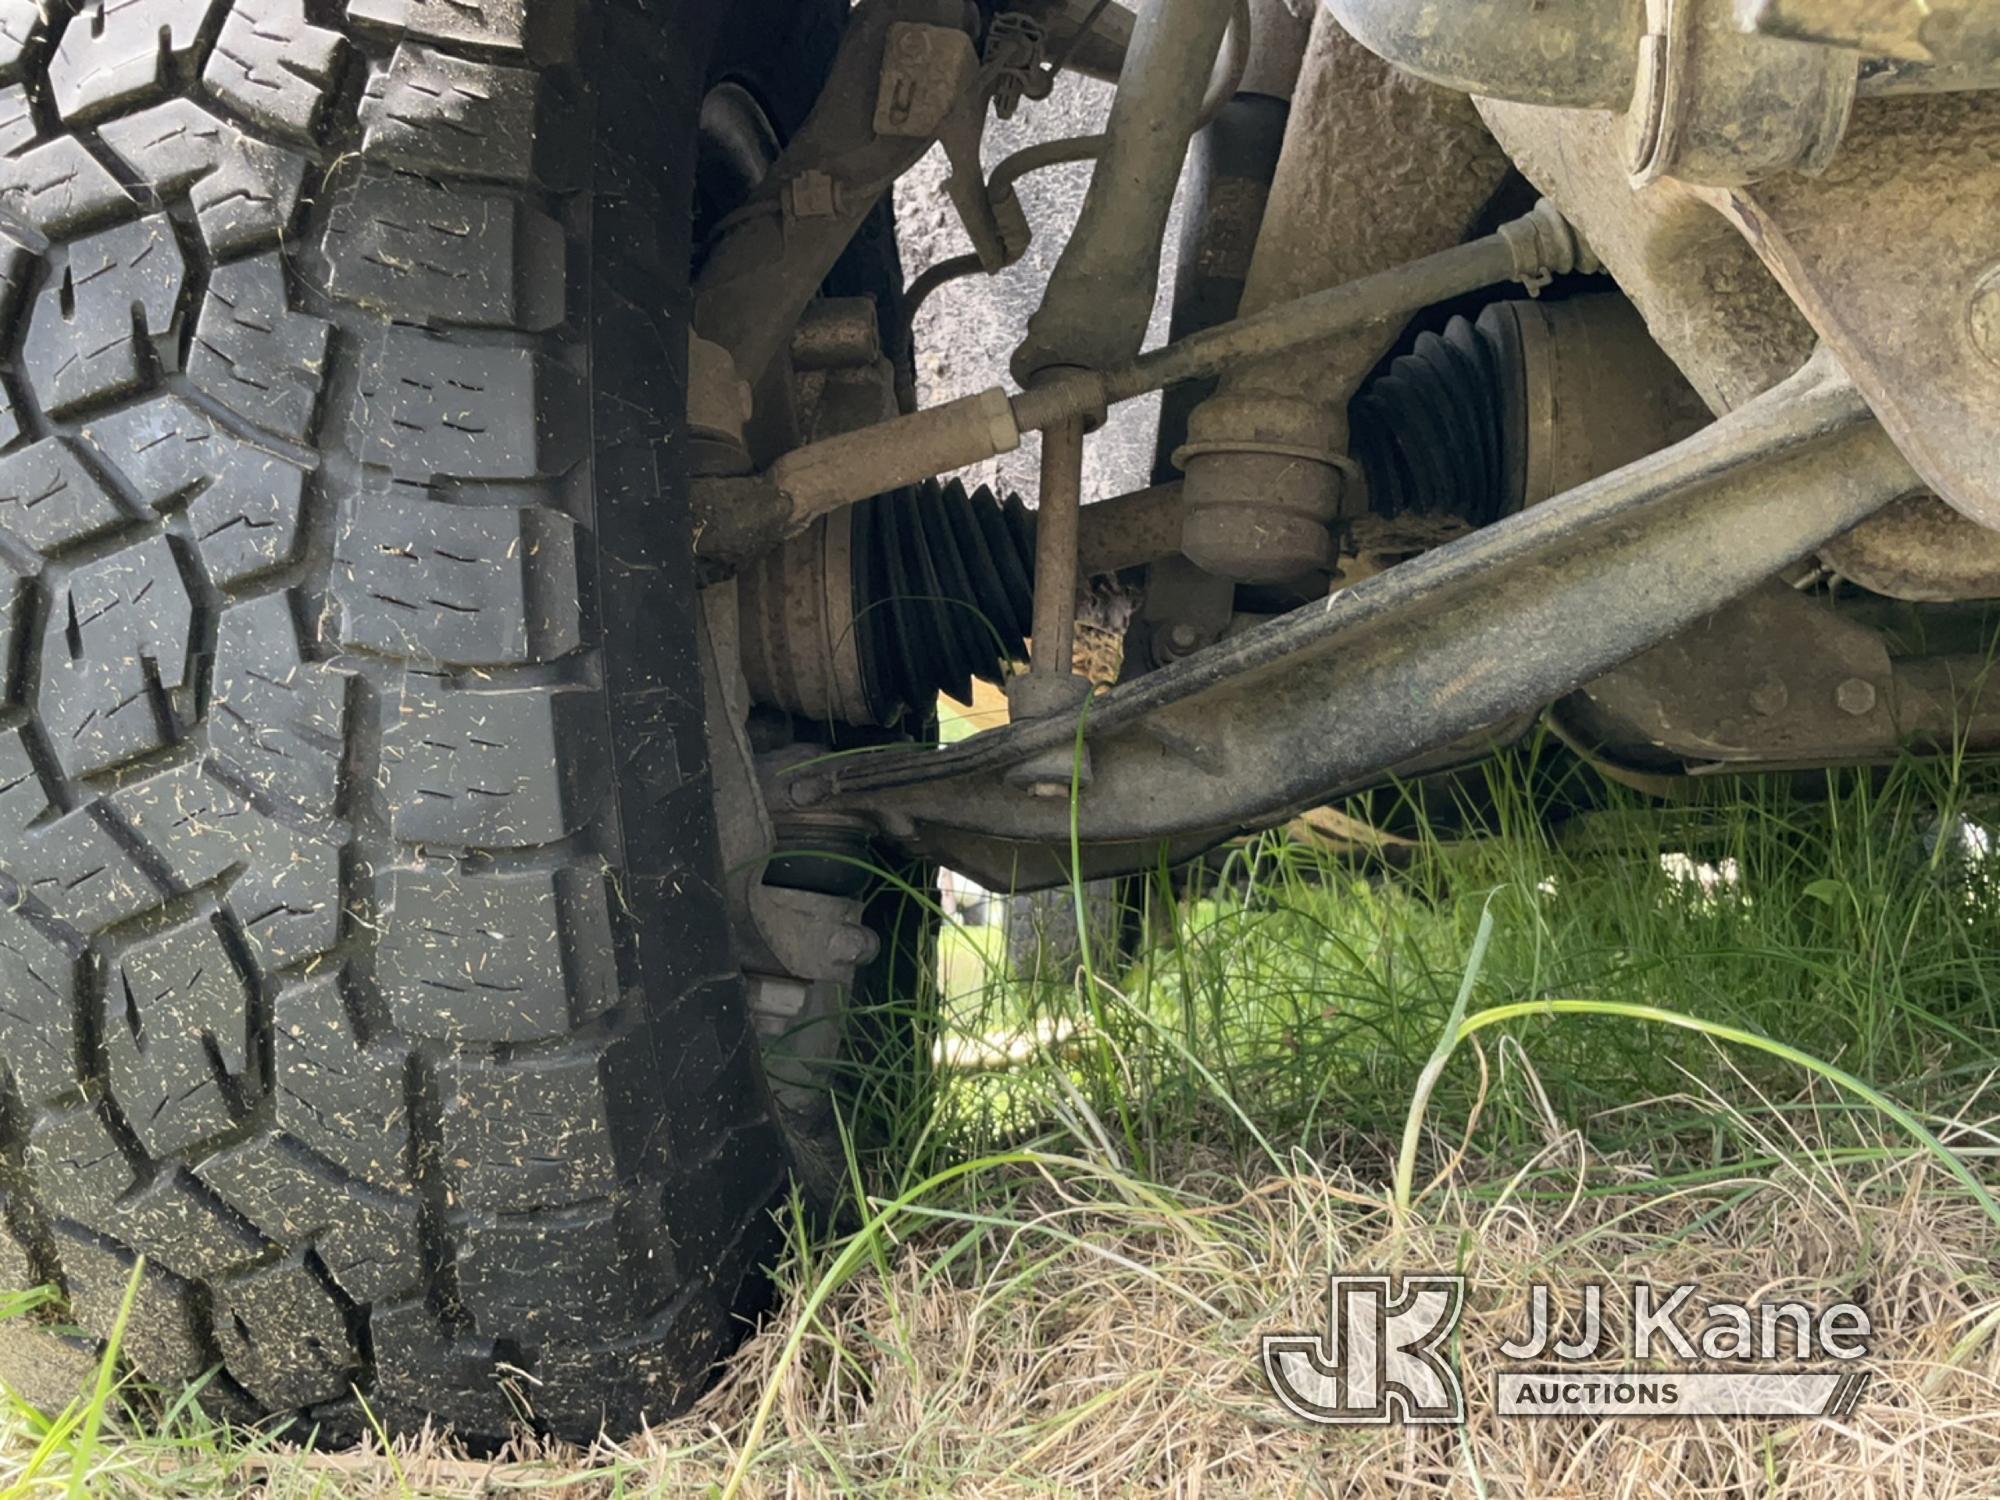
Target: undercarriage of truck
480, 576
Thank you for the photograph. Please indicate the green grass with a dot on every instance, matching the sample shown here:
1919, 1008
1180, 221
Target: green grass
1834, 995
1314, 988
1832, 1007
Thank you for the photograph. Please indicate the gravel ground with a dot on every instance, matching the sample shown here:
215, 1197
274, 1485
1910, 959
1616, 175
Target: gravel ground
967, 331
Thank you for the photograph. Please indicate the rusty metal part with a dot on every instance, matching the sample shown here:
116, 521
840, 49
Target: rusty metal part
1330, 695
1056, 518
1894, 257
1710, 92
1265, 455
1816, 686
1094, 310
773, 253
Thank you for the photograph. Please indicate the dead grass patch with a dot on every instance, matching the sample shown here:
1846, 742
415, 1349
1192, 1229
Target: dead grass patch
1066, 1329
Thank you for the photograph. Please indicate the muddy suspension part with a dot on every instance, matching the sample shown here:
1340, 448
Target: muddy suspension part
1321, 700
740, 517
874, 610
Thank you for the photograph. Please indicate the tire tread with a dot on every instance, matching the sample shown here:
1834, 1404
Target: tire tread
334, 412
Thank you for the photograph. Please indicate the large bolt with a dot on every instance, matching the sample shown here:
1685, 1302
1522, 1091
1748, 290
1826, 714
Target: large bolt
1982, 315
1855, 696
1770, 696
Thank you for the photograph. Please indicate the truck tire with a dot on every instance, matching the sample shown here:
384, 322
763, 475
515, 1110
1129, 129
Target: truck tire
363, 952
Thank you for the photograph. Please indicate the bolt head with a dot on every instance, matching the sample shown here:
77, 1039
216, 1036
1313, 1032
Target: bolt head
1183, 638
1855, 696
1770, 697
806, 791
1982, 315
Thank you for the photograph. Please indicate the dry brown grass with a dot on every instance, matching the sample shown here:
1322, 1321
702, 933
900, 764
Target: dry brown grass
1098, 1336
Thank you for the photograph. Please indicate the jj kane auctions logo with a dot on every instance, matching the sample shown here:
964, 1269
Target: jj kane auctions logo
1385, 1356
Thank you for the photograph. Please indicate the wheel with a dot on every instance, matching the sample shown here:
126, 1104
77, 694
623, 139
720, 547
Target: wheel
363, 942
